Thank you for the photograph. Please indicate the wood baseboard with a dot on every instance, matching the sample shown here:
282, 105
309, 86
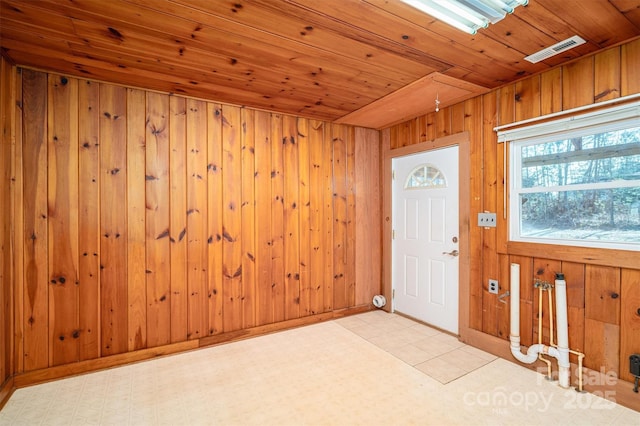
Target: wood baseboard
6, 390
597, 382
284, 325
68, 370
82, 367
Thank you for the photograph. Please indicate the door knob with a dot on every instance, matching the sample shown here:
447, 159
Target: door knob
453, 253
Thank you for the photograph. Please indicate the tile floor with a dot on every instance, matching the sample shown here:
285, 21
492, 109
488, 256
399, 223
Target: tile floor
369, 369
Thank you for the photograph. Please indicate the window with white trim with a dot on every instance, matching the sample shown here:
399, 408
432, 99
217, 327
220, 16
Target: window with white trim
577, 182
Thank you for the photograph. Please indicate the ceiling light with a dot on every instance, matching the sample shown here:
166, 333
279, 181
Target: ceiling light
467, 15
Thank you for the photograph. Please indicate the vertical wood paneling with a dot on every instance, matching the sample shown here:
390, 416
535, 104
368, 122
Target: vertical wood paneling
506, 104
457, 118
490, 202
629, 319
501, 193
527, 98
474, 124
574, 276
215, 226
178, 203
136, 224
630, 68
328, 215
526, 298
506, 113
63, 219
543, 270
7, 192
473, 119
421, 130
158, 258
404, 134
304, 206
551, 91
113, 221
503, 309
248, 219
367, 215
395, 139
277, 219
575, 319
442, 123
34, 133
430, 126
607, 75
340, 139
317, 222
6, 314
89, 218
602, 317
291, 217
602, 346
264, 307
577, 83
197, 218
232, 218
350, 235
18, 320
602, 291
416, 130
178, 217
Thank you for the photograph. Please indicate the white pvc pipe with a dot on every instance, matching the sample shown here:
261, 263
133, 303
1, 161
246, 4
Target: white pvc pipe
562, 323
515, 301
532, 353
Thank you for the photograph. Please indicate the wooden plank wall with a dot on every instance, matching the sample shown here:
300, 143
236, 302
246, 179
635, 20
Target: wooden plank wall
603, 299
147, 219
7, 148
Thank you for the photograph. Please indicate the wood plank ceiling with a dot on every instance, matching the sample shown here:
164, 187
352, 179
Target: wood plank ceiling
324, 59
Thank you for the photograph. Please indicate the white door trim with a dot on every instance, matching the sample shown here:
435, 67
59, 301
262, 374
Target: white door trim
464, 164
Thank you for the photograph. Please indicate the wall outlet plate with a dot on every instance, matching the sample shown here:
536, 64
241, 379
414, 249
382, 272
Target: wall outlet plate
493, 286
487, 220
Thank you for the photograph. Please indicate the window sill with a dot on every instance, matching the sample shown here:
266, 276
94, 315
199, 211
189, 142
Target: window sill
596, 256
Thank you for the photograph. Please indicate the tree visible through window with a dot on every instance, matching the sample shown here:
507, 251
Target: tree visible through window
581, 188
425, 176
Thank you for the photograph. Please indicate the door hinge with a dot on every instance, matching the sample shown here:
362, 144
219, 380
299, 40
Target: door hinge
393, 293
393, 175
393, 234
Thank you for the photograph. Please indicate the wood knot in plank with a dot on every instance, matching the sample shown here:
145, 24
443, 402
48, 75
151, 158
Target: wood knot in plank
115, 34
227, 236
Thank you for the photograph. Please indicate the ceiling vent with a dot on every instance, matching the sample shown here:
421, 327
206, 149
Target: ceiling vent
560, 47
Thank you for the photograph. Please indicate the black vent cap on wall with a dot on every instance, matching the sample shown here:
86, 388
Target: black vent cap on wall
634, 361
634, 368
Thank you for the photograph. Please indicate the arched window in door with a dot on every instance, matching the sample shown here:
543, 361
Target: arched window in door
425, 176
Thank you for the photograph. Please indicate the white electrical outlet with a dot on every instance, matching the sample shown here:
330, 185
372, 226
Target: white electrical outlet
487, 220
493, 286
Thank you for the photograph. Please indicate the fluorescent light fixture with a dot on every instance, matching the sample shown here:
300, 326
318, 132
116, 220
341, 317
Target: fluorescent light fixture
467, 15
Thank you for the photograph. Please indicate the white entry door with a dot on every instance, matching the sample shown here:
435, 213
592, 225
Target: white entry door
425, 241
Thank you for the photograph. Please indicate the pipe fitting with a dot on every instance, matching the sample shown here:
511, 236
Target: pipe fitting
561, 352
